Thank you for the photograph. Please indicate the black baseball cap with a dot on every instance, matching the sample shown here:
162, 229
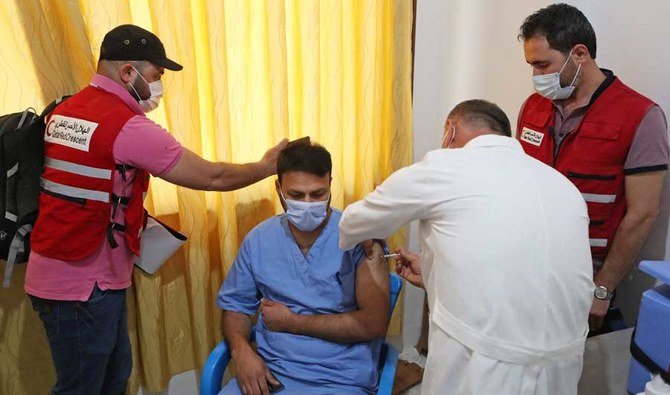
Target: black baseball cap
130, 42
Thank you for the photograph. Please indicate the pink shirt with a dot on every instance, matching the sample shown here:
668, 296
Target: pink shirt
141, 143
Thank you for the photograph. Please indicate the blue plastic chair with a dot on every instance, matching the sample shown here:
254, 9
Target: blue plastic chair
212, 373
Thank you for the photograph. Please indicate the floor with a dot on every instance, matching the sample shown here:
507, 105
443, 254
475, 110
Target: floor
605, 368
606, 360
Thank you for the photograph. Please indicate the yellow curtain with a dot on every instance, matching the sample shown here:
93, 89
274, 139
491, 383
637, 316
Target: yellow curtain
255, 72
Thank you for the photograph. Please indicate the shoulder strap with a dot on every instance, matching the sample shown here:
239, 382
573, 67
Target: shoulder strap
16, 250
53, 105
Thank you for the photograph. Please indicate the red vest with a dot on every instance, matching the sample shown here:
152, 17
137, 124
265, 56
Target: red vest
77, 206
593, 155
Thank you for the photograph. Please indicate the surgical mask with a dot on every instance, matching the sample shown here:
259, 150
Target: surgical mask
453, 137
306, 216
156, 89
549, 85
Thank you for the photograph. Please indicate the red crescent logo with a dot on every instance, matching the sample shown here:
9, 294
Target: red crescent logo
48, 129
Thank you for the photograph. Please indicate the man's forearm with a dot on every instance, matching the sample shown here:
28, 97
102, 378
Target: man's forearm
350, 327
231, 176
236, 331
627, 243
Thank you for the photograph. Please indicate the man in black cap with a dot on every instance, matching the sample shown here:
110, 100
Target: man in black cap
100, 149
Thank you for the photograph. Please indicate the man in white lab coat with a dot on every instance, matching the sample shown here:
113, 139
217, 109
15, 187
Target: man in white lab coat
504, 257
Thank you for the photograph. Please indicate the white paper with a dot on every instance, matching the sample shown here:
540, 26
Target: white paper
158, 244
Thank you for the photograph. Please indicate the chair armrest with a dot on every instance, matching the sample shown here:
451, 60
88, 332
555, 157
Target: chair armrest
215, 366
388, 369
212, 372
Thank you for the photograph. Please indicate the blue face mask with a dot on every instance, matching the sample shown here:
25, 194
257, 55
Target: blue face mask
306, 216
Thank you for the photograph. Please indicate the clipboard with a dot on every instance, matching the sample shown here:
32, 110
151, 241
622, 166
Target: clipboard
158, 243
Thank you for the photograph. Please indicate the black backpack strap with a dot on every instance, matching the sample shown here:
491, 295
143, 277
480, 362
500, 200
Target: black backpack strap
647, 362
17, 247
53, 105
24, 117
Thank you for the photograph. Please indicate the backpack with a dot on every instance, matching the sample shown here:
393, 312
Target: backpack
21, 162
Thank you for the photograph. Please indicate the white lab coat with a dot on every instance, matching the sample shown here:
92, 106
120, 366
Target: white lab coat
656, 386
506, 264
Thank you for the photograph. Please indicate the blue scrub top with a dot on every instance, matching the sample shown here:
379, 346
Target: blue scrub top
270, 265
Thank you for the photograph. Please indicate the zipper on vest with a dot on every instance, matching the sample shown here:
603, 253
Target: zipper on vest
596, 222
558, 149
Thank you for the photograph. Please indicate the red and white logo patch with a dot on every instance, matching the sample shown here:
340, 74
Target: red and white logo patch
71, 132
532, 136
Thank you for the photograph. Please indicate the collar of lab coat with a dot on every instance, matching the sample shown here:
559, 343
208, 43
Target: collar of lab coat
483, 141
493, 140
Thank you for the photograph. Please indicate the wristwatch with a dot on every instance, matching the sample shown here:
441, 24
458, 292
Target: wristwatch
601, 292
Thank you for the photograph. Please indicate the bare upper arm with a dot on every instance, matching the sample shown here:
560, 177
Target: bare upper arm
643, 192
372, 286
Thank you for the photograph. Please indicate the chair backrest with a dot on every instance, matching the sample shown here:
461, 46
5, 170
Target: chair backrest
395, 285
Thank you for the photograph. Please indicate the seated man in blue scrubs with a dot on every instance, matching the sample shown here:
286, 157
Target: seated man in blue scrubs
323, 311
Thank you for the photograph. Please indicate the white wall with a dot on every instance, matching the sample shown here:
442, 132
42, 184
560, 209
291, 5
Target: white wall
633, 39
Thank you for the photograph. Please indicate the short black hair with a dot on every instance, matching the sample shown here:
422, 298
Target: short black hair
563, 25
304, 156
485, 112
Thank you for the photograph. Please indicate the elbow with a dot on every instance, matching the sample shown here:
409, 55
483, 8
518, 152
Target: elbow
202, 182
380, 332
652, 214
375, 331
218, 178
216, 182
640, 218
644, 218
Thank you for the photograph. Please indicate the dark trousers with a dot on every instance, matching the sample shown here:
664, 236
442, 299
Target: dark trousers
89, 342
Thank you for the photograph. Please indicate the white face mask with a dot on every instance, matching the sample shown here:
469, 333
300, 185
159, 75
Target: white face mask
156, 89
306, 216
549, 85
